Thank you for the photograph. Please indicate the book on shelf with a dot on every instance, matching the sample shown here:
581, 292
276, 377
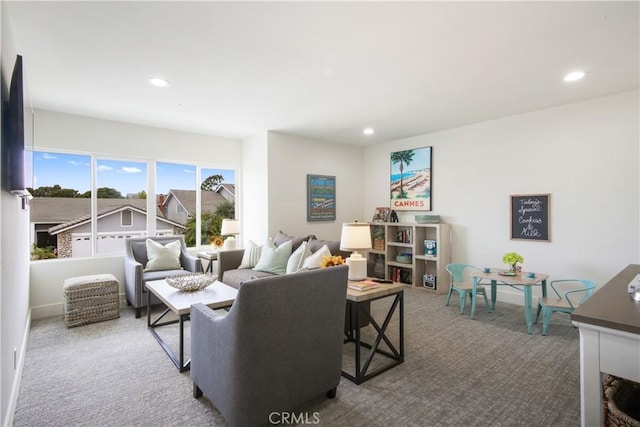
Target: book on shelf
363, 285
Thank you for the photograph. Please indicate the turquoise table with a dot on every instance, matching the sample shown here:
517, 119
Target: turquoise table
523, 283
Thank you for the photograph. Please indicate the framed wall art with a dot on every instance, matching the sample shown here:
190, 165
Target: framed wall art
411, 180
321, 198
530, 217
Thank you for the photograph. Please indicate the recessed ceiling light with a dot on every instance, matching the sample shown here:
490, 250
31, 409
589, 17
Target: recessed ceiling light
368, 131
574, 76
159, 82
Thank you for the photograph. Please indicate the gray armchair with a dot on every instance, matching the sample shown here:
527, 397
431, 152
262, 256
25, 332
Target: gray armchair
135, 259
278, 347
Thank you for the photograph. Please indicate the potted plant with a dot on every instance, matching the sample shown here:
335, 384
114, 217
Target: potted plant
377, 236
512, 259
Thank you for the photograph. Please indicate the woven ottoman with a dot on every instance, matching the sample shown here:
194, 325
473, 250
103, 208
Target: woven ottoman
90, 299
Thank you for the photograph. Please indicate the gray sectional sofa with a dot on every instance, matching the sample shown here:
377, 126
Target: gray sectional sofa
229, 261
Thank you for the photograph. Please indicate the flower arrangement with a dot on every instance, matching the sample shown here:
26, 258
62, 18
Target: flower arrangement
216, 241
330, 261
512, 258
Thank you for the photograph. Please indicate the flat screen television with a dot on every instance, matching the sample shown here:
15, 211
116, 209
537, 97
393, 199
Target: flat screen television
13, 135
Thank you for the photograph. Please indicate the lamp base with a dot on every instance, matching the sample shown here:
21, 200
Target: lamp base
229, 243
357, 267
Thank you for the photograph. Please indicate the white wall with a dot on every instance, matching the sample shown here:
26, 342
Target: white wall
14, 265
291, 158
254, 197
585, 155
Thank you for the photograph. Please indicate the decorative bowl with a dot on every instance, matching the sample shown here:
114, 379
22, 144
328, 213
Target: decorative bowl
427, 219
404, 258
190, 282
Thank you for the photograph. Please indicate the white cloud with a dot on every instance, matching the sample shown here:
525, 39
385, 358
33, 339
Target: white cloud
191, 171
129, 169
77, 163
104, 168
48, 156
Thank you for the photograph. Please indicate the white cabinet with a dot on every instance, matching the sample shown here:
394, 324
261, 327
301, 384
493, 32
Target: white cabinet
415, 254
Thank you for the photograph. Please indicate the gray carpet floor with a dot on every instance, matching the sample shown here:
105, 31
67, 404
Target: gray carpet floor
457, 372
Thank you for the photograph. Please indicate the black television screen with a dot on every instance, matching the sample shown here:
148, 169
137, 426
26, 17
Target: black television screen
13, 134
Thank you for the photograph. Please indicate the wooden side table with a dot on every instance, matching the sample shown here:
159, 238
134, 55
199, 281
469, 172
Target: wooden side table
396, 354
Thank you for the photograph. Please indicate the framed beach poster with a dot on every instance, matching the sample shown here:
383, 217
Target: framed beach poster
411, 180
321, 198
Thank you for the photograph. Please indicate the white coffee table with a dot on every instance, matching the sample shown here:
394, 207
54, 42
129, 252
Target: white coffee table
217, 295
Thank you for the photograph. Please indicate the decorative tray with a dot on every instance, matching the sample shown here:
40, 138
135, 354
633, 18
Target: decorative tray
191, 282
507, 273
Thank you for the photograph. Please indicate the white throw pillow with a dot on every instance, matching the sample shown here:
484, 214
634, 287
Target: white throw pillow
161, 257
297, 258
315, 259
274, 260
251, 255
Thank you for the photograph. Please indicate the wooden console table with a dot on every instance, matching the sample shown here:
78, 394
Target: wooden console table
609, 325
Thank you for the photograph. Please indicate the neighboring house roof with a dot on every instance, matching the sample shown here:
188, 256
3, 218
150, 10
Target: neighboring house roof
50, 210
101, 214
187, 198
66, 210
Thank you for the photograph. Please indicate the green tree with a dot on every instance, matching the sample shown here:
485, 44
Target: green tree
404, 158
55, 191
109, 193
211, 182
141, 195
211, 223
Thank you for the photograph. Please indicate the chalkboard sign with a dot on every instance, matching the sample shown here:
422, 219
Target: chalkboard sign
530, 217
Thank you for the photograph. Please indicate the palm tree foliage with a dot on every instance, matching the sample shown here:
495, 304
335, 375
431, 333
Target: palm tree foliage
404, 158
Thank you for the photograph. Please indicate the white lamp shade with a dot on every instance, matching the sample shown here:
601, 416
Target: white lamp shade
356, 236
230, 227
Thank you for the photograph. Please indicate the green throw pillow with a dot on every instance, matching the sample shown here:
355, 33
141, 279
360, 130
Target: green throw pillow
274, 260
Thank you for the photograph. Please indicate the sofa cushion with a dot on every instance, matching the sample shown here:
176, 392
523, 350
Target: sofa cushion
235, 278
315, 259
296, 260
281, 238
274, 260
333, 245
148, 276
163, 257
251, 255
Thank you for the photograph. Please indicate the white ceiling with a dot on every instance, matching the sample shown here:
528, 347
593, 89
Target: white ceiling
322, 70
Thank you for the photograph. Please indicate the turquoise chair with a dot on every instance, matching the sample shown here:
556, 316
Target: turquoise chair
462, 285
565, 303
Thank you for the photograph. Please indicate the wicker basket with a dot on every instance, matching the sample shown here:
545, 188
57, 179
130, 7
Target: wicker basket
378, 244
621, 402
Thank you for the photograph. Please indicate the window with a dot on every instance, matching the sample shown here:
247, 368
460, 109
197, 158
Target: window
126, 218
217, 192
67, 222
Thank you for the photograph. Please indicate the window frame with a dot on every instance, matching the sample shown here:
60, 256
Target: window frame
150, 191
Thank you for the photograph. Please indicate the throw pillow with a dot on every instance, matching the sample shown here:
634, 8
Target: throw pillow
315, 259
161, 257
281, 237
251, 255
274, 260
297, 258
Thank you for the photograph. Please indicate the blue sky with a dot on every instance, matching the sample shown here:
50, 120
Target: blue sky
74, 171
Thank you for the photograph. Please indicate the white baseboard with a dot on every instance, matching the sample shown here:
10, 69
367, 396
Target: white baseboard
15, 389
57, 309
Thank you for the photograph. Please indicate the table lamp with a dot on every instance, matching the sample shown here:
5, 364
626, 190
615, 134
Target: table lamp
231, 228
355, 237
